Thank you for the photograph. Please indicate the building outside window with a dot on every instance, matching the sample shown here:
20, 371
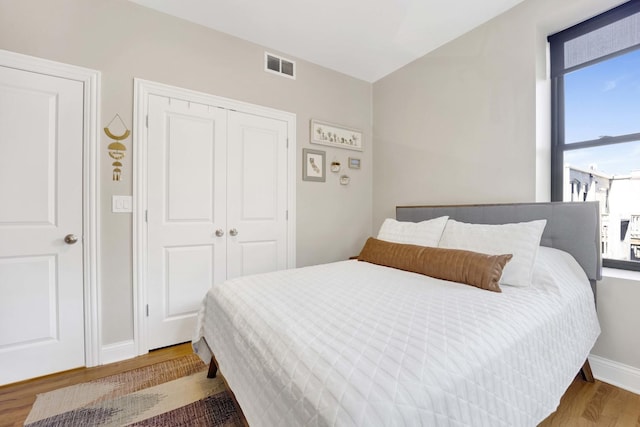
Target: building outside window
595, 71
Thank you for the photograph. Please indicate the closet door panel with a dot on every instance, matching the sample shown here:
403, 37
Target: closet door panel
256, 194
186, 203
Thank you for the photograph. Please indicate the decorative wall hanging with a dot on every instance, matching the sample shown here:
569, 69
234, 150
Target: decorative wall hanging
117, 149
354, 163
313, 165
337, 136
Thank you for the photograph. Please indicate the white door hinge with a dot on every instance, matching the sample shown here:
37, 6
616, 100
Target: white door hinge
146, 216
147, 309
147, 121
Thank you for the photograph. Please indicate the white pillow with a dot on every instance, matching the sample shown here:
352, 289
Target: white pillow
425, 233
520, 239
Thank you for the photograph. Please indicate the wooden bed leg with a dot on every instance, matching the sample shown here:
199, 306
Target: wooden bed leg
586, 373
213, 369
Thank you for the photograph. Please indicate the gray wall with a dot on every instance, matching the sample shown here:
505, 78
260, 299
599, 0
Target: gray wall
620, 320
469, 123
123, 41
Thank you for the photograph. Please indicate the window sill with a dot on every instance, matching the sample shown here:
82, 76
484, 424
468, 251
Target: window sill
620, 274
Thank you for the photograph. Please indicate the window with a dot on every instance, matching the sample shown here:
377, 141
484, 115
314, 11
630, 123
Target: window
595, 80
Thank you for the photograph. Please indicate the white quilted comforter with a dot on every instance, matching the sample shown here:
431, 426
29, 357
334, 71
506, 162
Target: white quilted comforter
352, 343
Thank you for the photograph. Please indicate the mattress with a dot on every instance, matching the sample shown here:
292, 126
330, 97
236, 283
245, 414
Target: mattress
356, 344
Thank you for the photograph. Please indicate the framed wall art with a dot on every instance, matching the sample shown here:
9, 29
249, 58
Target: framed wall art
313, 165
336, 136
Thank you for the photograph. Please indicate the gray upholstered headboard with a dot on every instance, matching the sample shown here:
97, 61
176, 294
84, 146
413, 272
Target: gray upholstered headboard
573, 227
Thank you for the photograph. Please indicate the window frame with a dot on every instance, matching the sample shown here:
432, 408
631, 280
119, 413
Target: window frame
558, 145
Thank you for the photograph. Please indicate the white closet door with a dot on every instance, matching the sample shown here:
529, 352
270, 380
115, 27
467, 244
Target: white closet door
186, 203
41, 276
256, 194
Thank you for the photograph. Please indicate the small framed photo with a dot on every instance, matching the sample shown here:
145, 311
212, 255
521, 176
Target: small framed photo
354, 163
313, 165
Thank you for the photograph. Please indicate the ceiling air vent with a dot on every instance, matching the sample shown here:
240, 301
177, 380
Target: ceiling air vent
279, 65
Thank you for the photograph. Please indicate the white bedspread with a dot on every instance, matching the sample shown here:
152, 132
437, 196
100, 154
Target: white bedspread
352, 343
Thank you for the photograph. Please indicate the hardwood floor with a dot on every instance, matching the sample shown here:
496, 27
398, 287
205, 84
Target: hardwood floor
596, 404
584, 404
16, 399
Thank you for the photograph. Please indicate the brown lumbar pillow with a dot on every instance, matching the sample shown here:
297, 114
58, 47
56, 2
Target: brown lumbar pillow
472, 268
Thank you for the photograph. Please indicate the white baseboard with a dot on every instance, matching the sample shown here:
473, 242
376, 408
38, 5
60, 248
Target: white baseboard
117, 351
615, 373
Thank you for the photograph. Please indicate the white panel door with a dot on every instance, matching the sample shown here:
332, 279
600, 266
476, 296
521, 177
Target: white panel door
256, 194
186, 202
41, 276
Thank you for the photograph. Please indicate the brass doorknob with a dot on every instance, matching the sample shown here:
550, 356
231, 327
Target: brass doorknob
70, 239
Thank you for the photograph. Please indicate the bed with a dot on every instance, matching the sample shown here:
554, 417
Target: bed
359, 343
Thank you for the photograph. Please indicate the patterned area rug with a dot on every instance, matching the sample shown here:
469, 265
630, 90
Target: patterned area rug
172, 393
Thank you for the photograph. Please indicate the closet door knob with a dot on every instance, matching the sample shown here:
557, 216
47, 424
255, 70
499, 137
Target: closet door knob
233, 232
70, 239
219, 232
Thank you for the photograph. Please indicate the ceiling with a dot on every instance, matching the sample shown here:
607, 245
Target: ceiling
366, 39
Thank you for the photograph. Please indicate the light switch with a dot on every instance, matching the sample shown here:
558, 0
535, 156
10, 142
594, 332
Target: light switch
121, 204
